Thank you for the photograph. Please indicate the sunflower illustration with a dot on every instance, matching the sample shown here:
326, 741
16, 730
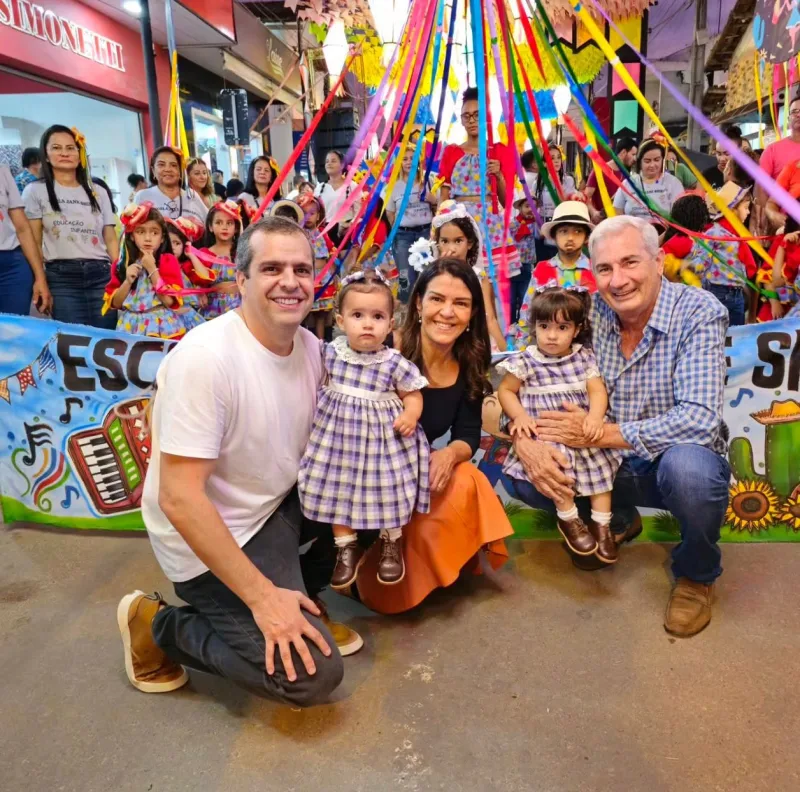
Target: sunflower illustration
789, 512
753, 506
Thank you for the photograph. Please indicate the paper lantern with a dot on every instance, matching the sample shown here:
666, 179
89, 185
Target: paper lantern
335, 49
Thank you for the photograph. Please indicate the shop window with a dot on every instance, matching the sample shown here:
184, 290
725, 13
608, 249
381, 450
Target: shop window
113, 134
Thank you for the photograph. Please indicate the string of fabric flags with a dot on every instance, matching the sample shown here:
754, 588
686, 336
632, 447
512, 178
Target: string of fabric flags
43, 362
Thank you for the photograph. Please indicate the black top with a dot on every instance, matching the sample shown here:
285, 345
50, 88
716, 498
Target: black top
220, 190
451, 409
714, 177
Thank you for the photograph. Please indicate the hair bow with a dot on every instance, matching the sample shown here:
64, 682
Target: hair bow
449, 211
554, 284
361, 275
133, 216
274, 164
80, 139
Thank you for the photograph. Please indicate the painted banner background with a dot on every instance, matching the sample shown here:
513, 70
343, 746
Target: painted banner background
73, 456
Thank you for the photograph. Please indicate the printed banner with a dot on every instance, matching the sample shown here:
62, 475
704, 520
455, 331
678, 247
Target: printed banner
74, 455
71, 399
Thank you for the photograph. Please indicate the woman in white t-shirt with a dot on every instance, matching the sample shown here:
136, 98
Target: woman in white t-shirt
661, 188
73, 225
168, 195
414, 223
21, 272
544, 201
199, 179
333, 194
260, 175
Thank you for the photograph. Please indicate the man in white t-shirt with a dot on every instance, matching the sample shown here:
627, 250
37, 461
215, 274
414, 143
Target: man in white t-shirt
233, 413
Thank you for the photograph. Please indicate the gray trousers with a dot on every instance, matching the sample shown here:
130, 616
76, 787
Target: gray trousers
216, 632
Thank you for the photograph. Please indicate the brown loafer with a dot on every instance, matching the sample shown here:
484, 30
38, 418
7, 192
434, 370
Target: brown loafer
148, 668
631, 532
577, 536
391, 567
347, 641
689, 608
607, 549
348, 561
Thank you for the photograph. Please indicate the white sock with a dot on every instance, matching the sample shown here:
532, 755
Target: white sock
392, 534
566, 516
601, 518
347, 539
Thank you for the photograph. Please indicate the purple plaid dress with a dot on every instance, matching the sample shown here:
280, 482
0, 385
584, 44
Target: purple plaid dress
546, 383
357, 471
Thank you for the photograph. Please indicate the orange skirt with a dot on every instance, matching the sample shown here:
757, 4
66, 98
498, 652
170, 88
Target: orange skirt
467, 516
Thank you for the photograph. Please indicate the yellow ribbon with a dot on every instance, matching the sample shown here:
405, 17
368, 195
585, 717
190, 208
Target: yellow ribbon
633, 87
80, 139
608, 205
757, 81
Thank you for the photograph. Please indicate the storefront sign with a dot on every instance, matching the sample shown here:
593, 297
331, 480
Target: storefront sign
60, 31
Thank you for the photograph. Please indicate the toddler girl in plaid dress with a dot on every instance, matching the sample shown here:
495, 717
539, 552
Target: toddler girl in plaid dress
366, 463
554, 370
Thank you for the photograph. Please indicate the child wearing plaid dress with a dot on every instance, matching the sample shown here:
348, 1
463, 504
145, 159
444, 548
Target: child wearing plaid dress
561, 367
366, 463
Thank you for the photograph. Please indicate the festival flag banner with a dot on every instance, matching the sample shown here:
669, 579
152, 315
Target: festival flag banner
74, 453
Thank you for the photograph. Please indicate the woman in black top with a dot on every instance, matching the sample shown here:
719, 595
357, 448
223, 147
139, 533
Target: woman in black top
446, 336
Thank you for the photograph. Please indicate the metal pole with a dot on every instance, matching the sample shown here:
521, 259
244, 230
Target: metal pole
150, 74
697, 72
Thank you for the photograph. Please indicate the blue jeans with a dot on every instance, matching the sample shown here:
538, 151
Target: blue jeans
519, 285
733, 299
403, 240
16, 283
690, 481
77, 286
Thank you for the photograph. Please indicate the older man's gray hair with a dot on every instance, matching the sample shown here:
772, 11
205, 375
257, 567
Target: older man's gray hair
617, 225
269, 225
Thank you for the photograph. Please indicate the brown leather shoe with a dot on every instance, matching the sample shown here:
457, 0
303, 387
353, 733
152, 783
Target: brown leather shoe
348, 561
577, 536
689, 608
391, 567
148, 668
607, 549
631, 532
348, 641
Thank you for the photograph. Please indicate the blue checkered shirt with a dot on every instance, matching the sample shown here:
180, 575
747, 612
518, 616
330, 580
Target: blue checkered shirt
670, 392
23, 179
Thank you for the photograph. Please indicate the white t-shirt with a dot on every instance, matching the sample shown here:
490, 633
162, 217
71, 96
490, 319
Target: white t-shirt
222, 395
187, 204
663, 193
417, 213
333, 200
9, 199
547, 206
75, 232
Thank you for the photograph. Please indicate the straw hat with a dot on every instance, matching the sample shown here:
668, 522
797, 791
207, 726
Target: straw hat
731, 195
572, 212
292, 205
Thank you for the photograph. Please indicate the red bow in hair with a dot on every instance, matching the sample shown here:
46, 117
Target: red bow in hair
134, 215
191, 230
523, 231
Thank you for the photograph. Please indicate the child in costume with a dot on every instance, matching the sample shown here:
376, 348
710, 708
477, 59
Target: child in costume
570, 268
182, 232
366, 463
378, 223
146, 281
560, 367
523, 230
725, 272
223, 227
313, 222
786, 271
690, 212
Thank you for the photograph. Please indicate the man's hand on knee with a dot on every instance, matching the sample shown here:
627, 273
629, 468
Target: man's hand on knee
279, 616
547, 468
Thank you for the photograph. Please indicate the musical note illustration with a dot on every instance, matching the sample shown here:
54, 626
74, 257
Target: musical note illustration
66, 416
69, 490
38, 435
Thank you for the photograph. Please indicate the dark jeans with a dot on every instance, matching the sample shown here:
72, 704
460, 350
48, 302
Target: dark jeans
690, 481
733, 299
77, 286
403, 240
217, 634
16, 283
519, 285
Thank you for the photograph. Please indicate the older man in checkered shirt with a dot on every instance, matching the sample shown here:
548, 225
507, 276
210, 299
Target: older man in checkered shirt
660, 347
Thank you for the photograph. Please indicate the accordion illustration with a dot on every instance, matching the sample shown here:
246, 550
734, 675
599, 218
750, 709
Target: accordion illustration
111, 460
